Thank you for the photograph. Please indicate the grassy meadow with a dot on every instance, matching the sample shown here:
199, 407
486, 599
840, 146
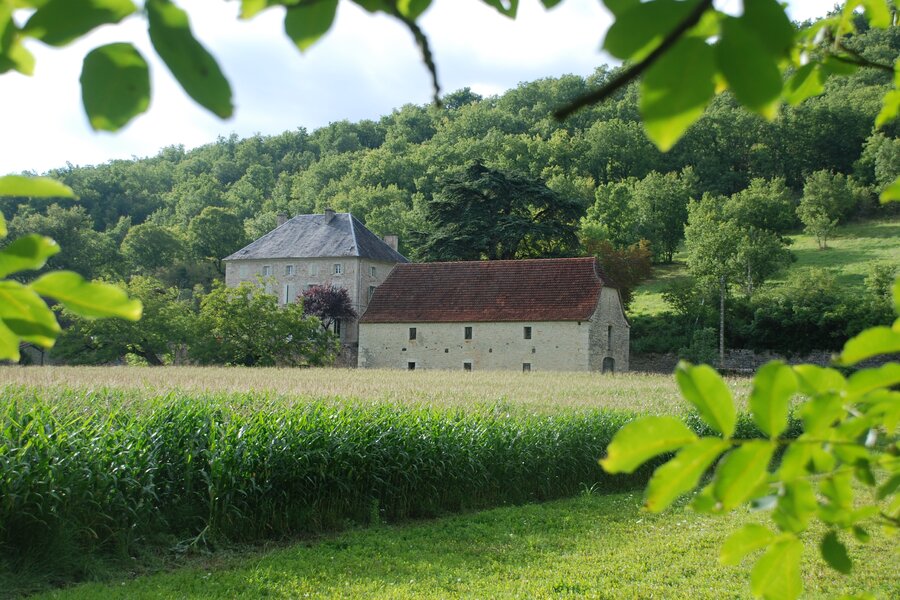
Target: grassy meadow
591, 546
852, 251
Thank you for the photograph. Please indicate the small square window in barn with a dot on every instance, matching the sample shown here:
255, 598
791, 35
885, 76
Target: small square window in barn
526, 367
412, 333
467, 366
527, 332
467, 333
411, 366
288, 270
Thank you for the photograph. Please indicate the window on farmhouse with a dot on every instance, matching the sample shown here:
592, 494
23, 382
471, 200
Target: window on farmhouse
337, 327
288, 293
337, 269
313, 269
467, 333
526, 367
411, 366
289, 269
412, 333
242, 271
527, 333
373, 271
467, 366
371, 291
267, 270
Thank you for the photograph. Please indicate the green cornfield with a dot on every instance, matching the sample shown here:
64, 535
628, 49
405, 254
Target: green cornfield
100, 472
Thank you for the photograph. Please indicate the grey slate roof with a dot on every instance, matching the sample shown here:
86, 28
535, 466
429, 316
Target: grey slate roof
313, 236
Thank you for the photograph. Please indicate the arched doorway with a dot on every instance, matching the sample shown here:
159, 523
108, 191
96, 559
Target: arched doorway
609, 365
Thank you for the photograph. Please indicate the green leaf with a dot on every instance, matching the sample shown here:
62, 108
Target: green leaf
619, 7
194, 68
550, 3
87, 299
867, 380
675, 91
744, 541
891, 193
115, 86
682, 474
819, 380
835, 553
819, 413
878, 13
59, 22
33, 187
251, 8
642, 439
640, 29
806, 82
795, 460
895, 292
306, 23
773, 387
412, 9
768, 19
17, 58
874, 341
749, 68
776, 575
9, 343
26, 314
741, 473
505, 7
838, 489
706, 390
3, 230
26, 253
796, 506
890, 107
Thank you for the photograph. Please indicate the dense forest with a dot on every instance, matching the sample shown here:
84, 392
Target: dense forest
590, 184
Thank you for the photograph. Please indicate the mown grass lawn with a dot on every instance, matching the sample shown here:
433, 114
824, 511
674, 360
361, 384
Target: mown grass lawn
593, 546
851, 253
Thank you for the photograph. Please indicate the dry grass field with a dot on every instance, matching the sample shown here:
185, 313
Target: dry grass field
540, 392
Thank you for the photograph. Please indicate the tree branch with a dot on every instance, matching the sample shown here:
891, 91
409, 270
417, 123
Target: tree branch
425, 49
859, 60
635, 71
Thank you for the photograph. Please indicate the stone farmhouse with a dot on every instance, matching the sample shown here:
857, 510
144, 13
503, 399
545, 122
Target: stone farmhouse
529, 315
330, 248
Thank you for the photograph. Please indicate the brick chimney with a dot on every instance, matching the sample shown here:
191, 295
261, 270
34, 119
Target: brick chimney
329, 215
282, 219
392, 241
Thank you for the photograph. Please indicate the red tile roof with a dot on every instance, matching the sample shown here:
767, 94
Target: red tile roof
556, 289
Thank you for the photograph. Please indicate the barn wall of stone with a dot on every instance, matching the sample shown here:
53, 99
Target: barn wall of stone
554, 346
610, 334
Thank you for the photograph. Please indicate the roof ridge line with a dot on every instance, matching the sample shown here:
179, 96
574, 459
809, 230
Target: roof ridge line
350, 217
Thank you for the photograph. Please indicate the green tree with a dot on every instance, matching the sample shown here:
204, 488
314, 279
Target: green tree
164, 328
244, 326
660, 206
148, 247
214, 234
764, 204
488, 214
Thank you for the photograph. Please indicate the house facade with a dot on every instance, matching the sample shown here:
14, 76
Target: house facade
321, 249
528, 315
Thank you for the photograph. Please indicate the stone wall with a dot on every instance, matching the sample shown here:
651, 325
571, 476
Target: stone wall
610, 334
554, 346
741, 361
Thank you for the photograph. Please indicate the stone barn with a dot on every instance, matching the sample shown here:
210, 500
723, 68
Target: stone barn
529, 315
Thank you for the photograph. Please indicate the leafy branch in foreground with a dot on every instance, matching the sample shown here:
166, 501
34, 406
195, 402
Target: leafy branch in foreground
850, 431
24, 315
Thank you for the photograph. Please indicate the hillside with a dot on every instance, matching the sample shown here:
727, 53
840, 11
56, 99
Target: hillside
850, 255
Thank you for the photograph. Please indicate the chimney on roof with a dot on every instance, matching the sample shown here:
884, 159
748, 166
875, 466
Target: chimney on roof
329, 215
282, 219
392, 241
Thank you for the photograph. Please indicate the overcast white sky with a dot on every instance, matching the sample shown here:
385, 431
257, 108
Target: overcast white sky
364, 68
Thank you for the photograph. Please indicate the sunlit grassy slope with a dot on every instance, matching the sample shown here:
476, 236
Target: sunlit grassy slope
851, 253
594, 546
